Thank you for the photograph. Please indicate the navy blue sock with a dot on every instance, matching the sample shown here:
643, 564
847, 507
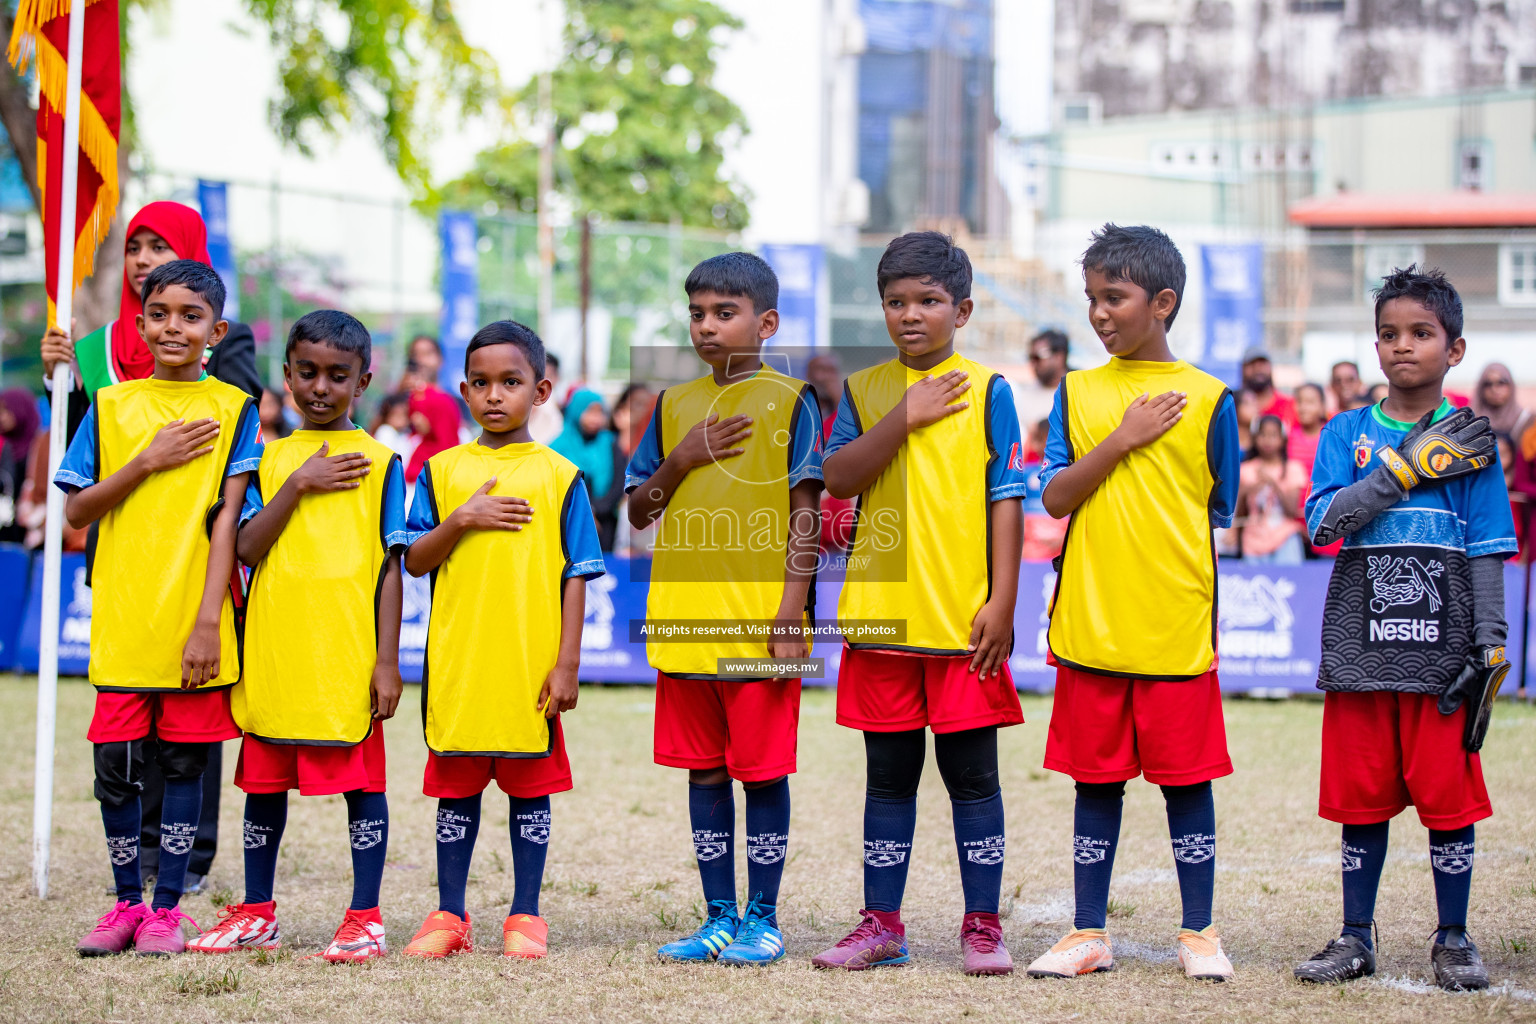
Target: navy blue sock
179, 814
1192, 826
980, 841
888, 828
767, 842
368, 830
530, 844
1362, 852
458, 823
1450, 858
1095, 834
266, 814
122, 826
712, 816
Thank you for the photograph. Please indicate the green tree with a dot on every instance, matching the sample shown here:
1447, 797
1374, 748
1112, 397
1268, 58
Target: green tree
642, 130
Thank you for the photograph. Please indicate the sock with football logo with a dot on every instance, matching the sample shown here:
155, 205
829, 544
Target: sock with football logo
979, 839
767, 842
1362, 852
712, 815
266, 815
889, 824
1192, 826
368, 831
122, 825
1450, 858
458, 823
1095, 834
530, 844
179, 814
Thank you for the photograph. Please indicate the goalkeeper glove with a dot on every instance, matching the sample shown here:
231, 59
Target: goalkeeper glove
1459, 444
1476, 686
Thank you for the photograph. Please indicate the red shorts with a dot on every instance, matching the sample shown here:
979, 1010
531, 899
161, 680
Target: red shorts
1383, 751
312, 770
1110, 729
883, 691
181, 716
750, 728
522, 777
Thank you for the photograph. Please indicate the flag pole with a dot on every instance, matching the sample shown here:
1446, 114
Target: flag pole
53, 529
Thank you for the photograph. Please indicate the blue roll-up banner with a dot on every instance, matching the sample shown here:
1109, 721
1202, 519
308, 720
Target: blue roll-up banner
15, 582
1234, 306
461, 292
213, 197
74, 618
801, 270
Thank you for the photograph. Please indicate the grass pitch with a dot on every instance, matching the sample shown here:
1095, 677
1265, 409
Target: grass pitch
621, 880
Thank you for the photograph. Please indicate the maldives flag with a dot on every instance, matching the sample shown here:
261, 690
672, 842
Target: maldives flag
42, 35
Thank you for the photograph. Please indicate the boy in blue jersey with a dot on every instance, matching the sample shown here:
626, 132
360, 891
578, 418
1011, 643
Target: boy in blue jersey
162, 463
740, 445
505, 527
1145, 479
929, 443
1413, 628
322, 530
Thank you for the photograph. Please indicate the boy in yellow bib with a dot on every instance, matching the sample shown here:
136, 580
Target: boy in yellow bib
322, 529
162, 463
504, 526
1133, 624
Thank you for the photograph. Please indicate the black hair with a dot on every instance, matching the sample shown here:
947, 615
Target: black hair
1346, 362
1258, 424
198, 278
930, 256
509, 332
392, 401
1141, 255
429, 339
736, 273
1058, 340
1428, 288
341, 331
1322, 396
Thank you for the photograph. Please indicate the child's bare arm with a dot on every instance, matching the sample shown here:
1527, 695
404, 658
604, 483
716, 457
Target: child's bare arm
175, 444
316, 475
799, 568
708, 441
385, 686
856, 465
559, 691
481, 512
1145, 420
200, 656
992, 629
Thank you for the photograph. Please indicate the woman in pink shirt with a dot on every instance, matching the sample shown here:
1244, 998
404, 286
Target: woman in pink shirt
1269, 494
1311, 414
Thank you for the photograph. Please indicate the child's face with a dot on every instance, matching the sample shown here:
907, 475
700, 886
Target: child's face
1309, 407
1247, 408
726, 327
1269, 439
1123, 315
270, 409
325, 381
922, 317
178, 324
501, 388
1412, 344
399, 417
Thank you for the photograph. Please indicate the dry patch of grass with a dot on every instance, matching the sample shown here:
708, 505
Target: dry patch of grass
621, 881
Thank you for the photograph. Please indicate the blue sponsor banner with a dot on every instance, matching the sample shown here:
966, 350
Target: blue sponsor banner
15, 583
461, 292
1234, 306
213, 198
801, 270
74, 618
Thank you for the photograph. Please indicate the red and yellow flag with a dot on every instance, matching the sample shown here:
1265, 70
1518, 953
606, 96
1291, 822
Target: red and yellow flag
42, 34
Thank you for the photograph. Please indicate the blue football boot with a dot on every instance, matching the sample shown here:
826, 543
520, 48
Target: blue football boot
759, 941
714, 935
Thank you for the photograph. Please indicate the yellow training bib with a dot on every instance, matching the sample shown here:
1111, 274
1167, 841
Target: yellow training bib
151, 558
311, 627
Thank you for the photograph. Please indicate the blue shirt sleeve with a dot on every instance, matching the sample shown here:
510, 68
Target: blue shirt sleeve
845, 428
253, 503
396, 533
245, 455
1058, 448
805, 445
582, 548
647, 458
78, 470
1490, 522
422, 519
1006, 475
1226, 460
1332, 470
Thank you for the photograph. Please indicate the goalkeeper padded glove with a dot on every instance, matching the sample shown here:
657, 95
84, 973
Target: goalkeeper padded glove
1461, 443
1476, 686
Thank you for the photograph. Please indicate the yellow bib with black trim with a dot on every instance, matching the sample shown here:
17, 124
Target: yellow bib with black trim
151, 558
494, 633
721, 543
1137, 591
311, 624
921, 544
